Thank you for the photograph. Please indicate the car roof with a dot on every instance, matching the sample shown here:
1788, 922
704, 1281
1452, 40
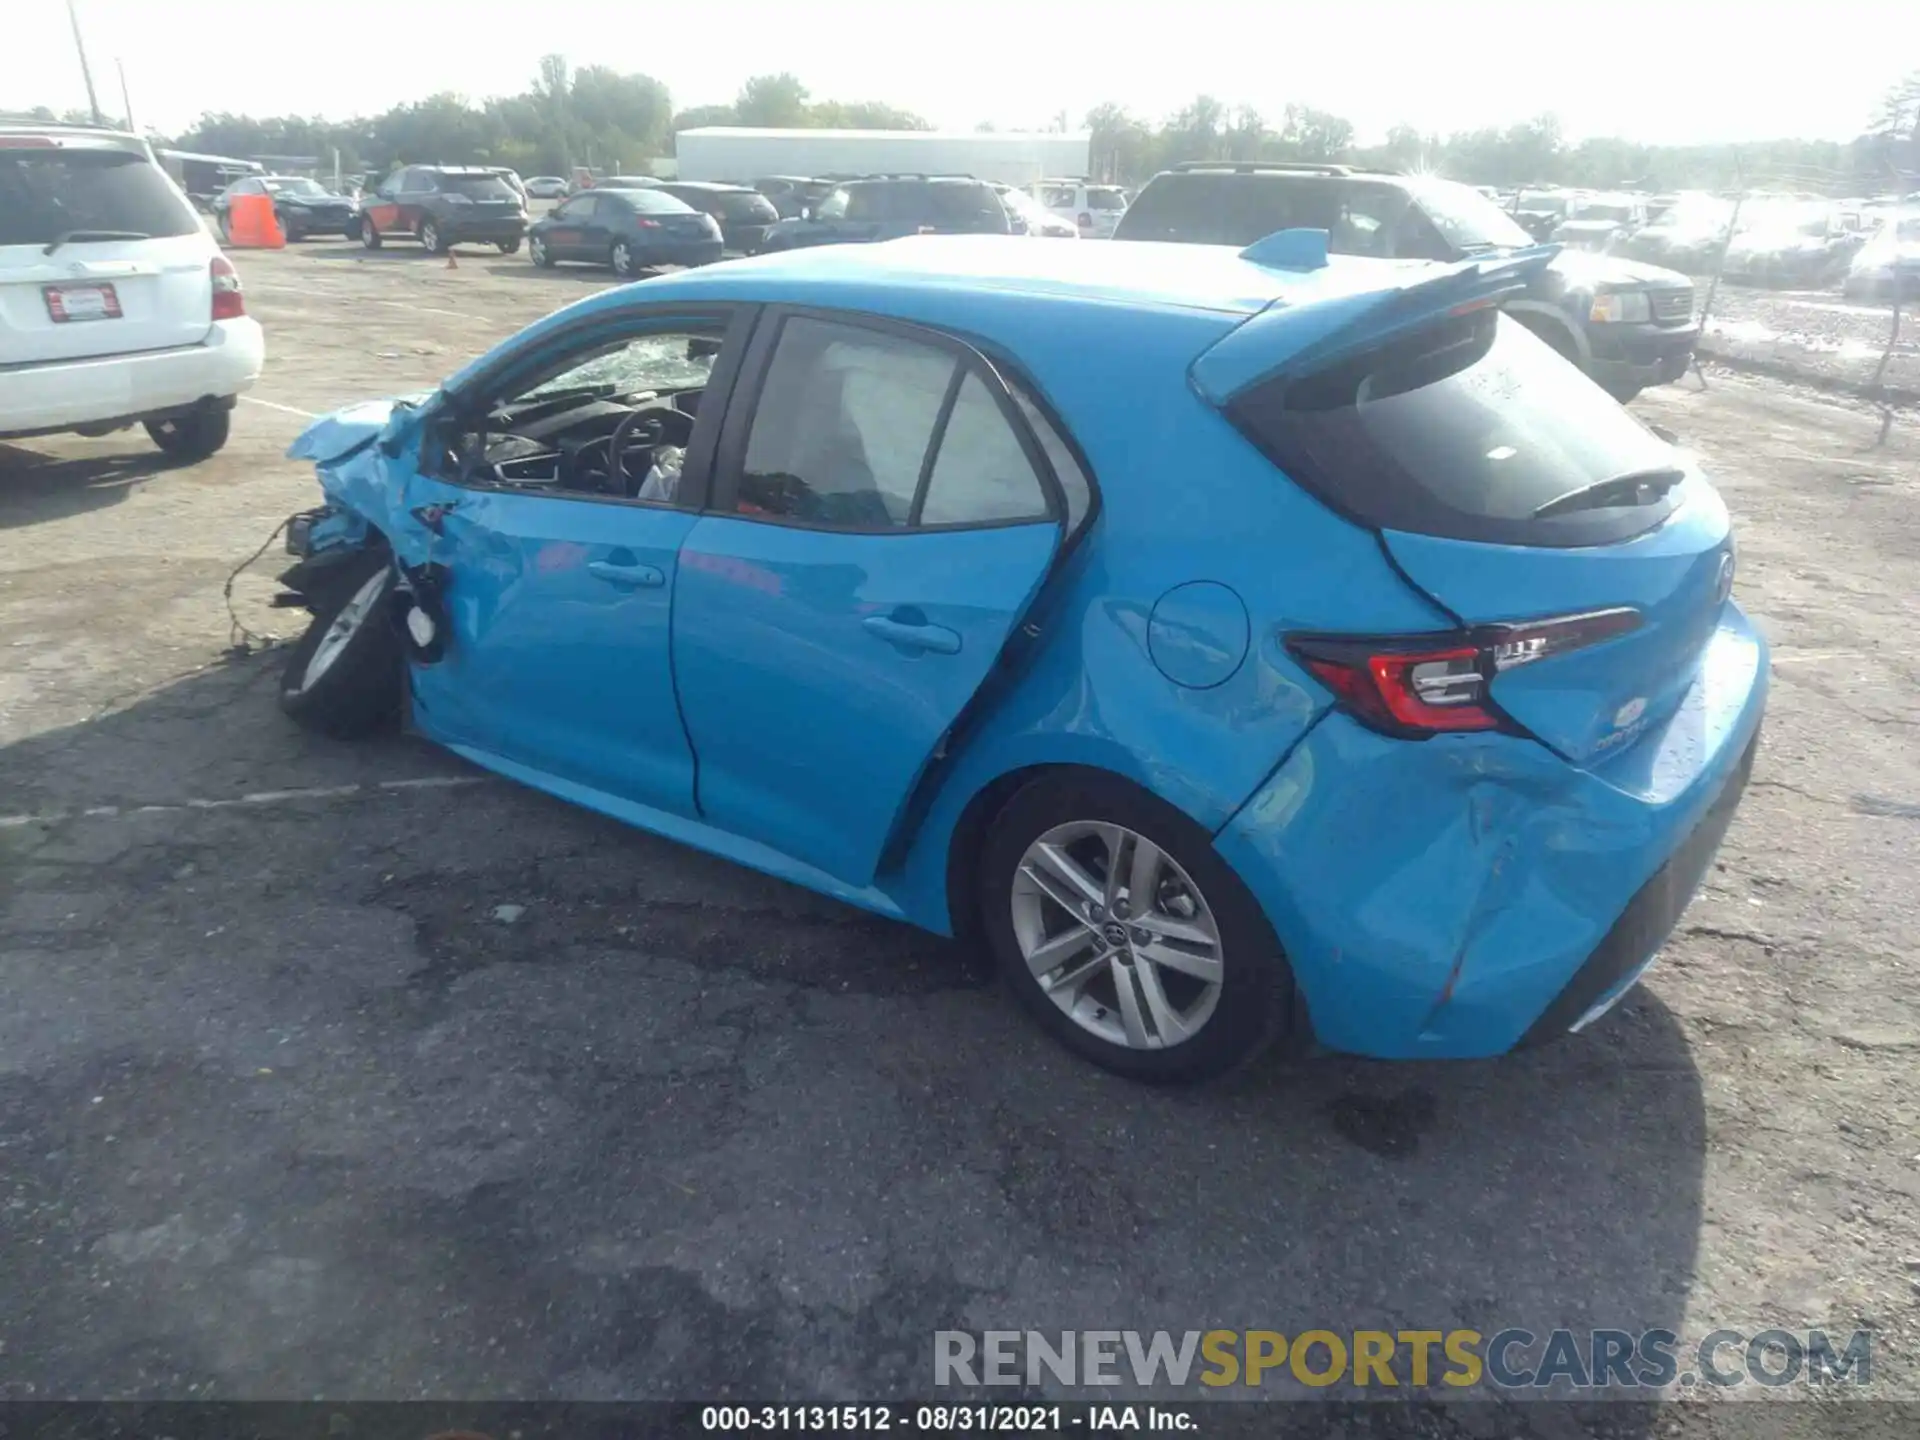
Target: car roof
702, 185
73, 137
941, 267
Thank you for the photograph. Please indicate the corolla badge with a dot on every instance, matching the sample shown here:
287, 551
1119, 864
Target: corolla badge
1629, 712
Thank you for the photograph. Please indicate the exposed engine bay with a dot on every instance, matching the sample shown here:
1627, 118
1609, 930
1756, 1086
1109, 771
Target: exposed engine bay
589, 439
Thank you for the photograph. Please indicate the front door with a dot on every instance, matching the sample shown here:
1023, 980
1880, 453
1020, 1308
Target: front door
567, 225
382, 208
559, 658
881, 521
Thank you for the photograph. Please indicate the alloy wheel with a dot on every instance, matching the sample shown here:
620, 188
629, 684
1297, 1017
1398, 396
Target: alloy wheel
343, 627
1117, 935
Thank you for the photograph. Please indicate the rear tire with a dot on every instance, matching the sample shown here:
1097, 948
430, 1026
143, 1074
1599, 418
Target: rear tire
190, 438
621, 258
369, 233
538, 253
344, 677
1227, 1021
509, 247
431, 237
226, 229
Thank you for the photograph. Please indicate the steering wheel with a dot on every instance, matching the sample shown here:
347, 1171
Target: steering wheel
653, 426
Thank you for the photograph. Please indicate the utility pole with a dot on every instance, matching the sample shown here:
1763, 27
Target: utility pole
93, 101
126, 101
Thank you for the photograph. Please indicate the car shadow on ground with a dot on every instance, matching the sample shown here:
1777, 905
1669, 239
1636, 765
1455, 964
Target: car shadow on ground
363, 1081
36, 487
521, 268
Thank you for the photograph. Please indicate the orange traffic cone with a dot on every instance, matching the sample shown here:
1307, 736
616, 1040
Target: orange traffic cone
452, 264
252, 225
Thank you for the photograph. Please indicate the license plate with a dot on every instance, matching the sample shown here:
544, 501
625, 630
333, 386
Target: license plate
67, 303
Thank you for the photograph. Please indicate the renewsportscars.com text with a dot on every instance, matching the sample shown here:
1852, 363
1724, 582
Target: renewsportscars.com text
1511, 1359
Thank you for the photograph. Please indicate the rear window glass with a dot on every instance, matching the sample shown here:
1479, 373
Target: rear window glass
745, 205
1464, 430
1227, 209
45, 194
967, 207
477, 187
654, 202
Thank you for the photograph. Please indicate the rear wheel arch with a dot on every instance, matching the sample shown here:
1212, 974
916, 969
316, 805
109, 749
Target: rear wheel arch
970, 835
1261, 1002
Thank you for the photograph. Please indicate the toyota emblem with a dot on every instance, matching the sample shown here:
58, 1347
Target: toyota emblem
1724, 587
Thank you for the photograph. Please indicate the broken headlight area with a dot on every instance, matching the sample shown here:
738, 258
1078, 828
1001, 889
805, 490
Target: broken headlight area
312, 532
419, 611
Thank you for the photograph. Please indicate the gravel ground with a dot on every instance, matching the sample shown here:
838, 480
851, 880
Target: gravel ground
289, 1106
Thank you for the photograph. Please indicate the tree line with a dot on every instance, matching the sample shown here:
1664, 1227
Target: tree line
600, 117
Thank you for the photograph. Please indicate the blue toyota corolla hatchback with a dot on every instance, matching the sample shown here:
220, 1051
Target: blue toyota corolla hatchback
1244, 645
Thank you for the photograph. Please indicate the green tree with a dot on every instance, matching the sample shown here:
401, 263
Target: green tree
776, 102
1311, 134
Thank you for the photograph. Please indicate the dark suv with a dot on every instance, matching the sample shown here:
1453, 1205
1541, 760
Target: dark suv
743, 215
885, 207
442, 206
1627, 325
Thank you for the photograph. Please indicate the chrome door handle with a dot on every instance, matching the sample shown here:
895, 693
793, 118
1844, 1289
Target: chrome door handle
635, 577
935, 638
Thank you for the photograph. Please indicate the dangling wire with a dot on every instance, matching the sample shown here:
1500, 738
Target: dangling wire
241, 641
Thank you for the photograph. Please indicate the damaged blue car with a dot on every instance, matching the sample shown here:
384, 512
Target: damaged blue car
1246, 646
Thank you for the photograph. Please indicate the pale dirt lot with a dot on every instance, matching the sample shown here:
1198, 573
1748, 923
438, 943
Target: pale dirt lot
283, 1112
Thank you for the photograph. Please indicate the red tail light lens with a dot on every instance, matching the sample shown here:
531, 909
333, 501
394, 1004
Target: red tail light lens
646, 224
227, 301
1413, 686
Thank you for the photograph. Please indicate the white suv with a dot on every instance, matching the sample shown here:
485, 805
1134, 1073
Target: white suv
116, 306
1093, 210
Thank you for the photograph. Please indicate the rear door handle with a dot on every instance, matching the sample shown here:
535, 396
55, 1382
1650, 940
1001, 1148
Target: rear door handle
634, 577
914, 635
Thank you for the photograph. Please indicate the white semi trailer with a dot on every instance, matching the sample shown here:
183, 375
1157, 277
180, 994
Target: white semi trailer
740, 155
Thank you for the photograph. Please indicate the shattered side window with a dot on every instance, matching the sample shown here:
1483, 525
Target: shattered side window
677, 361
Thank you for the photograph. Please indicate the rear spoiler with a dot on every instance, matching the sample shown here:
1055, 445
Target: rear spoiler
1297, 337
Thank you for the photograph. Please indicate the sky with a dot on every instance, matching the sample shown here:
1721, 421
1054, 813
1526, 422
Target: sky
1680, 72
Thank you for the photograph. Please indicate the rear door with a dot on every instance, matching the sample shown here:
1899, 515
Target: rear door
1511, 490
882, 519
100, 254
417, 188
871, 214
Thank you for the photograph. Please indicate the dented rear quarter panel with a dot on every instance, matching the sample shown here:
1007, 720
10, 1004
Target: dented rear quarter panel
1434, 897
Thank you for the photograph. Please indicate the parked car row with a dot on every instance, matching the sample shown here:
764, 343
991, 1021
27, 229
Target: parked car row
1797, 241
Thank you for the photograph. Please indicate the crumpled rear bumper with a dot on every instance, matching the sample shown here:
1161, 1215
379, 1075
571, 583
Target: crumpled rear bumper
1450, 898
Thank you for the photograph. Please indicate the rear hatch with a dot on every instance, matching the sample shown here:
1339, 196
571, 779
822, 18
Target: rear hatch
1584, 560
480, 198
99, 254
965, 207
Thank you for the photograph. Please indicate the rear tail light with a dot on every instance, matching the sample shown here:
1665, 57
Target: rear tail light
1413, 686
228, 303
646, 224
